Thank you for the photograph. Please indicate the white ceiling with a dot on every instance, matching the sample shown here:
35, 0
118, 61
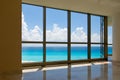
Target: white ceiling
101, 7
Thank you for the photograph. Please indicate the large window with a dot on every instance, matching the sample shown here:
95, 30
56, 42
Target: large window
53, 35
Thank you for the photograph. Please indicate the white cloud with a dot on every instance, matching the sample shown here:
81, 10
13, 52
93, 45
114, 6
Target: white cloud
34, 34
79, 35
95, 37
55, 34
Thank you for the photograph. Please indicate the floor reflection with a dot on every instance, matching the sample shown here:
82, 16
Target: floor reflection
93, 71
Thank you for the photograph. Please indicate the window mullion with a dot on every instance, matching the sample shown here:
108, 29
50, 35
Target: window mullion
89, 37
44, 36
69, 36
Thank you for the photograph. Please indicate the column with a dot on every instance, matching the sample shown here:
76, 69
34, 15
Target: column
116, 37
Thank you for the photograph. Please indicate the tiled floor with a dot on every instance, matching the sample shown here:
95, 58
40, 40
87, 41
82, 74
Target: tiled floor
94, 71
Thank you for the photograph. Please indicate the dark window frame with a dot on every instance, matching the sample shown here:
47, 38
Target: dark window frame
68, 43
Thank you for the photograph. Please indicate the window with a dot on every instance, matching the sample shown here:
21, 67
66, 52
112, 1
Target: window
32, 31
97, 36
50, 35
109, 40
78, 36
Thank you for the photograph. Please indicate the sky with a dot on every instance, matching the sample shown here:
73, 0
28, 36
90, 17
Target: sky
56, 25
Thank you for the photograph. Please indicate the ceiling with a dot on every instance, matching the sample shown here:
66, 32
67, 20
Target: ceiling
101, 7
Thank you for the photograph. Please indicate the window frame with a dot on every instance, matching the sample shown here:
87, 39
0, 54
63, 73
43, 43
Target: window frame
68, 43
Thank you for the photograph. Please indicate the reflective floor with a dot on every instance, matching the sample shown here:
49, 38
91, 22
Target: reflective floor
92, 71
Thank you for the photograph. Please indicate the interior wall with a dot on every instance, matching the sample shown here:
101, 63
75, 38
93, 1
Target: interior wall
116, 37
10, 36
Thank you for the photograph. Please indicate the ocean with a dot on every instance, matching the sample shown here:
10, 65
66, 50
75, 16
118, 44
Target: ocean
35, 54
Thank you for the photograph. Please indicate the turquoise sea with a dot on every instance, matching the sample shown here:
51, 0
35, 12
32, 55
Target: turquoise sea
35, 54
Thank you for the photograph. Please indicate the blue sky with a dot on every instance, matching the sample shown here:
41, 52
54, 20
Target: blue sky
33, 15
54, 16
57, 19
78, 20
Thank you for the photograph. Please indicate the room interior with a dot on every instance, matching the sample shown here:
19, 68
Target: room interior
11, 67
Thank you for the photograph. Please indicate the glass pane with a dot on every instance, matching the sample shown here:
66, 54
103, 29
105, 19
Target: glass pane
56, 52
97, 25
78, 51
78, 27
32, 52
56, 25
97, 51
32, 23
110, 35
110, 49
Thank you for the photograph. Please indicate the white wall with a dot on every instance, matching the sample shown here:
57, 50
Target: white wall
116, 37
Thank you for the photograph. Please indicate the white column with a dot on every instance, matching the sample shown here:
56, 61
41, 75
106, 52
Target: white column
116, 37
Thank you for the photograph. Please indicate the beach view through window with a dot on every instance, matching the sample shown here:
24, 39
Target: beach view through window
53, 35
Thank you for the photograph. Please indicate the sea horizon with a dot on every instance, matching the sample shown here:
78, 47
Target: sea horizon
35, 54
